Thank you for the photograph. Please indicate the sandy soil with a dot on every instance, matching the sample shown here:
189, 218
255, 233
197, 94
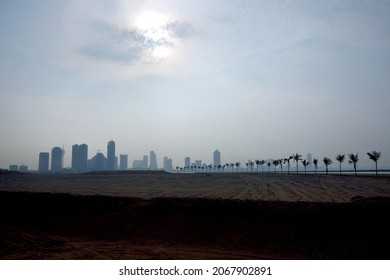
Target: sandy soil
193, 216
268, 187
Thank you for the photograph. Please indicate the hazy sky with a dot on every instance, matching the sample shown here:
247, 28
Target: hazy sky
254, 79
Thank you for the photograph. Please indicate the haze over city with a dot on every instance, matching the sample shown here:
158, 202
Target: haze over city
253, 79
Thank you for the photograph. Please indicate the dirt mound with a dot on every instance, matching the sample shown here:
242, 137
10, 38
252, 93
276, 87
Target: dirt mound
62, 226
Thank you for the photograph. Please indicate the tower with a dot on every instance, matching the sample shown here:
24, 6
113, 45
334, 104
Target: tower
123, 162
57, 159
43, 163
111, 155
153, 161
217, 158
80, 157
187, 162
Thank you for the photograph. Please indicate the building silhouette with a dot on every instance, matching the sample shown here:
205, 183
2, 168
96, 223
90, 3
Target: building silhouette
153, 161
145, 162
43, 166
187, 162
97, 163
57, 159
111, 165
309, 159
80, 158
217, 158
13, 167
23, 168
167, 164
123, 161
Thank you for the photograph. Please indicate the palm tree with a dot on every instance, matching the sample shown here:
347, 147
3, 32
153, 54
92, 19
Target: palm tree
327, 162
237, 165
288, 162
297, 157
305, 164
269, 165
281, 165
232, 166
340, 158
275, 163
315, 162
375, 157
262, 162
257, 162
353, 159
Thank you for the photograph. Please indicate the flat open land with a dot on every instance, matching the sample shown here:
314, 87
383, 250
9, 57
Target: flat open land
156, 215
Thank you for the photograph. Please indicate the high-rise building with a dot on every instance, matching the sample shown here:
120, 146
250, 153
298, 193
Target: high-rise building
123, 162
153, 161
80, 157
57, 159
187, 162
75, 157
83, 157
111, 155
309, 160
167, 164
43, 162
145, 162
217, 158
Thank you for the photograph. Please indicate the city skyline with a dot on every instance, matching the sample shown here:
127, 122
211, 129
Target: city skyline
257, 79
81, 161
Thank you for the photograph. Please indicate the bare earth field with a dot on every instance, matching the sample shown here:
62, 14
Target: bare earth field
155, 215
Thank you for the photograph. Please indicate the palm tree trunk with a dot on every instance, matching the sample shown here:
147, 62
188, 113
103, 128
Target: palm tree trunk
376, 168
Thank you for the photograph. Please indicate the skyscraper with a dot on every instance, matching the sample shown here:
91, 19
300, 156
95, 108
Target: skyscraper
153, 161
217, 158
187, 162
167, 164
57, 159
80, 158
43, 163
123, 162
145, 162
83, 157
75, 157
111, 155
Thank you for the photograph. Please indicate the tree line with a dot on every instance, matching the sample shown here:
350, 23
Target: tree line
297, 158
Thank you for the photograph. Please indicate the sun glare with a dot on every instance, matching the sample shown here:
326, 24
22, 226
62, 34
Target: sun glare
153, 26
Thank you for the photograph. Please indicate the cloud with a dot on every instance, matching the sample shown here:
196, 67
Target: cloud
130, 45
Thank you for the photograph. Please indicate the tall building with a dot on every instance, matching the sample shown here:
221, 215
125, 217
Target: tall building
43, 162
167, 164
75, 157
187, 162
80, 158
153, 161
309, 159
57, 159
145, 162
217, 158
83, 157
111, 155
123, 162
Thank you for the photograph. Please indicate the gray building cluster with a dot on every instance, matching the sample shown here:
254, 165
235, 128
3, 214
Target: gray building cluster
99, 162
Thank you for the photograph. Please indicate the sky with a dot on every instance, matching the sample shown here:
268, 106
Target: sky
253, 79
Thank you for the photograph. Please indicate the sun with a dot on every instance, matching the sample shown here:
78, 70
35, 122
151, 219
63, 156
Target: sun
154, 28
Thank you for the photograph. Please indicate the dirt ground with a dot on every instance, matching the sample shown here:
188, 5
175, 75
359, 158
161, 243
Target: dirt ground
193, 216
